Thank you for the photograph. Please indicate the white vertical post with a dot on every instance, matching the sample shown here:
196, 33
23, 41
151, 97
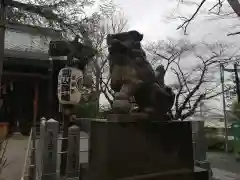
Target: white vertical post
50, 150
72, 170
40, 148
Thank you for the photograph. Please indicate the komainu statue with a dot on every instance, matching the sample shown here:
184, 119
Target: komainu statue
133, 76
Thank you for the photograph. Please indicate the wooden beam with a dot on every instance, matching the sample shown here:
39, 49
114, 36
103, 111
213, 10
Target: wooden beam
28, 75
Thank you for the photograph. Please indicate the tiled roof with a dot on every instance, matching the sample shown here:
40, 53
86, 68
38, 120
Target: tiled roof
28, 42
34, 29
27, 55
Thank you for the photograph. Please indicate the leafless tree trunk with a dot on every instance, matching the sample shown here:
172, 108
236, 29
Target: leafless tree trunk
114, 24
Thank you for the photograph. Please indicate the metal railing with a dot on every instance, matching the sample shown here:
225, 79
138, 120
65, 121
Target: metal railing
26, 159
42, 151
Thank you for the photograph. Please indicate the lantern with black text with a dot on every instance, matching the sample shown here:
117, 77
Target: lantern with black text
70, 82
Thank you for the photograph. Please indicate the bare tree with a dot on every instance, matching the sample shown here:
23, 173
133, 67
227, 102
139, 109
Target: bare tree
70, 16
114, 24
193, 66
217, 9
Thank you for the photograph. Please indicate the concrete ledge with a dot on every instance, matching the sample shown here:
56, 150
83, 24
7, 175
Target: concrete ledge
125, 149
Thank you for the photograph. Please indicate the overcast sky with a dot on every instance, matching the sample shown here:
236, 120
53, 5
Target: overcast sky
147, 16
151, 17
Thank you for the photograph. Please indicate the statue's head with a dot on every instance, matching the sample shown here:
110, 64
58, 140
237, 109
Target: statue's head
133, 36
120, 46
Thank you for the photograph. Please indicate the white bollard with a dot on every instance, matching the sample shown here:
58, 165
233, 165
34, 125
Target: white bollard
50, 153
72, 170
40, 147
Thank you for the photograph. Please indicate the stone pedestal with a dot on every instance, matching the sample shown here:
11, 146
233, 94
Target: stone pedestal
136, 148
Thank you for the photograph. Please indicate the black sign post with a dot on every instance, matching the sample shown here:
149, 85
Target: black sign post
237, 81
235, 70
2, 36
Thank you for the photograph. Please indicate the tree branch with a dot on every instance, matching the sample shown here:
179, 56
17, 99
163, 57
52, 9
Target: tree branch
219, 93
235, 5
194, 90
179, 92
185, 24
193, 109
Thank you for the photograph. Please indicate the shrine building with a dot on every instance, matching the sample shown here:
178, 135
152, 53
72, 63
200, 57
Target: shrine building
27, 76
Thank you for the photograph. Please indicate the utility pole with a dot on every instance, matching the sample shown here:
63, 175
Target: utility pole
50, 89
201, 109
2, 37
224, 107
237, 81
235, 70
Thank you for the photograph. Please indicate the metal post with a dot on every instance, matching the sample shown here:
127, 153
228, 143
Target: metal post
41, 147
32, 172
237, 82
224, 107
33, 153
50, 89
2, 37
66, 120
67, 110
201, 109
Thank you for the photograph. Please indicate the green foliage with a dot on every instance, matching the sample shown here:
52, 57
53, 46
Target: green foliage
236, 109
89, 110
86, 110
70, 16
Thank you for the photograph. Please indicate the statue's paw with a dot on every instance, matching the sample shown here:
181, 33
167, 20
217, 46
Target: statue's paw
121, 106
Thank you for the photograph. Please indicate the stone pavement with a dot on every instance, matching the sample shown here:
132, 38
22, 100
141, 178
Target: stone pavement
223, 161
15, 158
224, 175
16, 154
224, 166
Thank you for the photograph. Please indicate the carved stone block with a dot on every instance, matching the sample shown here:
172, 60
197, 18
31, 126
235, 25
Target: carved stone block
123, 149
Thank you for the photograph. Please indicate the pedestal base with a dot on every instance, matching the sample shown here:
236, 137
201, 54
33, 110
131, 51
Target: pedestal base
198, 174
140, 149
